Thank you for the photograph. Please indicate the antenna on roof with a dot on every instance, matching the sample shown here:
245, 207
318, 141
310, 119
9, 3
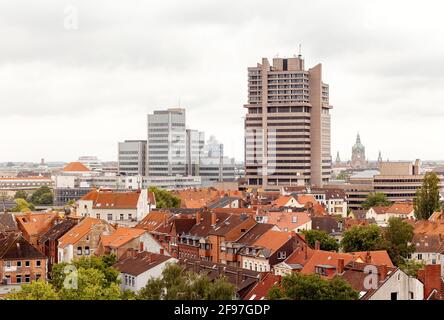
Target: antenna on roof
300, 51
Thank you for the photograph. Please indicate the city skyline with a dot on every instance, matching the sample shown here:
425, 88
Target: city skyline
384, 74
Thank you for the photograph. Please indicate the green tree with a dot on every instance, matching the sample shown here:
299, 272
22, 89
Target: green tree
164, 198
91, 285
427, 197
103, 264
398, 240
37, 290
342, 175
375, 199
362, 238
42, 196
298, 286
411, 267
178, 284
22, 206
326, 242
21, 195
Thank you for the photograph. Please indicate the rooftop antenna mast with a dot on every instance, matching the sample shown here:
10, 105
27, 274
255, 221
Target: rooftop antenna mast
300, 51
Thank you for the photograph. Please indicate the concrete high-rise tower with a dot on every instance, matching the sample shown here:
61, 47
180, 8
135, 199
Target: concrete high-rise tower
287, 125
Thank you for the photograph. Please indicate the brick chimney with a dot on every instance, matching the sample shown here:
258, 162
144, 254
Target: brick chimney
213, 218
198, 217
317, 245
340, 268
431, 278
382, 272
368, 257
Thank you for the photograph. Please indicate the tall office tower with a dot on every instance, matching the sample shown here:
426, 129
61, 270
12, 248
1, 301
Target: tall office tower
195, 143
166, 148
132, 157
287, 126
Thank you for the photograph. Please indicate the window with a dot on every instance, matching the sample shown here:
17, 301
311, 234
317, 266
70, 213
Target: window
27, 263
8, 264
110, 216
98, 215
38, 276
121, 216
79, 251
130, 216
38, 263
419, 256
394, 296
27, 278
18, 278
433, 261
412, 295
19, 263
86, 251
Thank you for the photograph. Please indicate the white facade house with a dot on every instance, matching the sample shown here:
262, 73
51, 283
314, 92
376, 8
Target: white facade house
399, 286
116, 206
135, 271
382, 214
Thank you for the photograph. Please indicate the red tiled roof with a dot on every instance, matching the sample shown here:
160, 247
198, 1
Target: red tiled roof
80, 230
281, 201
113, 199
121, 236
260, 290
272, 240
36, 223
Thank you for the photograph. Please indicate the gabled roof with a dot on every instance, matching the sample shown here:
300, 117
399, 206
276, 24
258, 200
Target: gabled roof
261, 289
75, 167
395, 208
58, 230
377, 257
288, 221
121, 236
80, 230
113, 199
203, 228
282, 201
254, 233
306, 198
327, 224
7, 222
14, 246
154, 220
36, 223
140, 263
324, 258
222, 202
272, 241
433, 243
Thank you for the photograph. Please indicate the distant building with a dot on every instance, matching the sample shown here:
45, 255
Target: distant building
358, 160
91, 162
166, 147
132, 157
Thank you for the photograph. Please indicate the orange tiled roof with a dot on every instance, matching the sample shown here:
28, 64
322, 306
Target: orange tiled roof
281, 201
321, 257
121, 236
36, 223
306, 198
260, 290
113, 199
401, 208
287, 221
80, 230
429, 227
75, 167
272, 240
153, 220
378, 257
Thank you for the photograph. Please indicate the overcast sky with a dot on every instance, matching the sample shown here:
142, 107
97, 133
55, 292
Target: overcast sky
67, 91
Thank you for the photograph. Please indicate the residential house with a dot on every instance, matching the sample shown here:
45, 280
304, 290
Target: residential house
121, 207
48, 242
243, 279
20, 262
429, 249
82, 240
136, 269
124, 239
382, 214
381, 282
270, 249
7, 223
290, 221
34, 224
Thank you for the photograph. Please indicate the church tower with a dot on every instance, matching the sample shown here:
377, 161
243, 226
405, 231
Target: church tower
358, 155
